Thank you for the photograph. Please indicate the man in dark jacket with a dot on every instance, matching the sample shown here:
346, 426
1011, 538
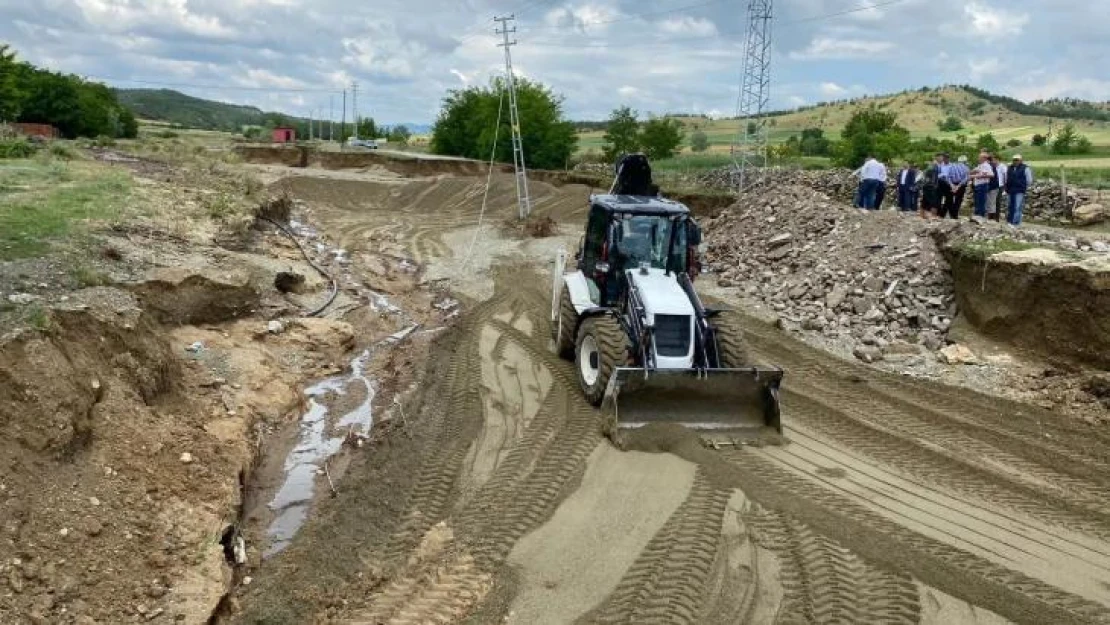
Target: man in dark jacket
930, 188
1019, 177
907, 187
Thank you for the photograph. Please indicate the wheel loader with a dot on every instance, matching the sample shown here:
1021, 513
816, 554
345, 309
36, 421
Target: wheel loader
645, 347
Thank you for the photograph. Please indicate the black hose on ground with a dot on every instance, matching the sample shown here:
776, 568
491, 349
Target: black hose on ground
332, 284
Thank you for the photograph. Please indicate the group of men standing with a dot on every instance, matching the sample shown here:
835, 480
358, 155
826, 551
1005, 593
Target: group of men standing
940, 188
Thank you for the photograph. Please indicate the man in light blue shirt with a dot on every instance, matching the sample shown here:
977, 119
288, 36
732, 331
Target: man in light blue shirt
958, 175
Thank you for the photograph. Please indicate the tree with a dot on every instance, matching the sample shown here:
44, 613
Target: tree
622, 134
399, 135
660, 137
950, 124
1069, 141
871, 132
1013, 143
814, 143
465, 125
1039, 140
989, 143
10, 95
699, 142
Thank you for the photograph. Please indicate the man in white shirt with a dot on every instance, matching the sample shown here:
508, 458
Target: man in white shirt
981, 179
872, 179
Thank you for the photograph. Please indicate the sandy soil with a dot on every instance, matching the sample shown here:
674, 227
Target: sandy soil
895, 500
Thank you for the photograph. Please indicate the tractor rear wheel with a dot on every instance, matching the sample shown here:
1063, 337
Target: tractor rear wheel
563, 328
601, 347
732, 349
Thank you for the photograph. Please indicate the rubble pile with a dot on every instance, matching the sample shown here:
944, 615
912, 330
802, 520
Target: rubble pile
873, 281
1045, 200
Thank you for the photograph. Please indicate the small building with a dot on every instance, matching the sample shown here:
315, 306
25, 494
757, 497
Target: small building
285, 135
36, 130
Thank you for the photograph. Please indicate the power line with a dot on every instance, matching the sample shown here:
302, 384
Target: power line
159, 83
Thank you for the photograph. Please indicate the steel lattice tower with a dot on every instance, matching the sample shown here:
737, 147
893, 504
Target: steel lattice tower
523, 200
749, 150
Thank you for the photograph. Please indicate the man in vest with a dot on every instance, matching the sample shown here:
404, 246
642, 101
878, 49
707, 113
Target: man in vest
907, 188
1019, 177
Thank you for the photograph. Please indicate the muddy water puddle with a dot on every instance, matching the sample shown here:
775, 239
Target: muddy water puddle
340, 409
321, 437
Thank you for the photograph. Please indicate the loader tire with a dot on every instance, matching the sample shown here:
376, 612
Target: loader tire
563, 328
732, 349
602, 346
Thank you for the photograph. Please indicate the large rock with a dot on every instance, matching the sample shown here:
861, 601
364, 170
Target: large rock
1090, 214
957, 355
868, 353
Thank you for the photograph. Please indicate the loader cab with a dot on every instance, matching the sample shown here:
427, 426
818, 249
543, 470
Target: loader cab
626, 232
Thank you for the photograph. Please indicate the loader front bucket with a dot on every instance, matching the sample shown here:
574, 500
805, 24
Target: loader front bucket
712, 400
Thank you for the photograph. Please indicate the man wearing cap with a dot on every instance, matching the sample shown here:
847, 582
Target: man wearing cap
1019, 177
981, 180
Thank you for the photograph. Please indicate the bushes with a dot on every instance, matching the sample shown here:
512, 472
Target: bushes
16, 148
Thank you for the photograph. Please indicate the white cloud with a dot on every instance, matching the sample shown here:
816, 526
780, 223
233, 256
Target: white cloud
593, 17
796, 100
461, 76
690, 26
831, 89
826, 48
1063, 85
981, 68
993, 21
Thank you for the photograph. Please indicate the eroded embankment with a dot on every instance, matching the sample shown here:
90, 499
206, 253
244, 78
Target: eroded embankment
1047, 301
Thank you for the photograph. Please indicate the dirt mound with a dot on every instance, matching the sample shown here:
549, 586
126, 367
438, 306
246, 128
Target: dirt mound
1042, 299
176, 295
95, 432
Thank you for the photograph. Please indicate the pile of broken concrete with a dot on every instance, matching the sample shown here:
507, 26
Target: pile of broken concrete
872, 281
1046, 200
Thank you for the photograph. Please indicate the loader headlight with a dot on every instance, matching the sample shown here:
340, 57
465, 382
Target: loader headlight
601, 267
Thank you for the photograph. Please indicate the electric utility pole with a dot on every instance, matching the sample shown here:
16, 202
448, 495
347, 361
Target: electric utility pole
343, 121
749, 150
354, 106
331, 118
524, 202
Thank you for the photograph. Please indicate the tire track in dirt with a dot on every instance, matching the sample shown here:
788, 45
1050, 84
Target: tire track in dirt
1081, 459
1052, 553
891, 546
668, 582
524, 489
926, 427
826, 583
499, 515
936, 464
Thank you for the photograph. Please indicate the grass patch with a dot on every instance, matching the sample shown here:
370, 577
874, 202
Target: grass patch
982, 250
51, 201
87, 277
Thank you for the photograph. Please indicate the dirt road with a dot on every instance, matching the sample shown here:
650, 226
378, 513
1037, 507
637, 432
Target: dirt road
894, 500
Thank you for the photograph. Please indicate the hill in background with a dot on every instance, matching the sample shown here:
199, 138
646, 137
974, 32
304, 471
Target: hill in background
174, 107
919, 111
177, 108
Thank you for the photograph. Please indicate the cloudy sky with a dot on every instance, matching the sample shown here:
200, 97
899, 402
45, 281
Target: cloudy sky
654, 55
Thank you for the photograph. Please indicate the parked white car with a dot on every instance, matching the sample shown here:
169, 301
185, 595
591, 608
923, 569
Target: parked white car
362, 143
